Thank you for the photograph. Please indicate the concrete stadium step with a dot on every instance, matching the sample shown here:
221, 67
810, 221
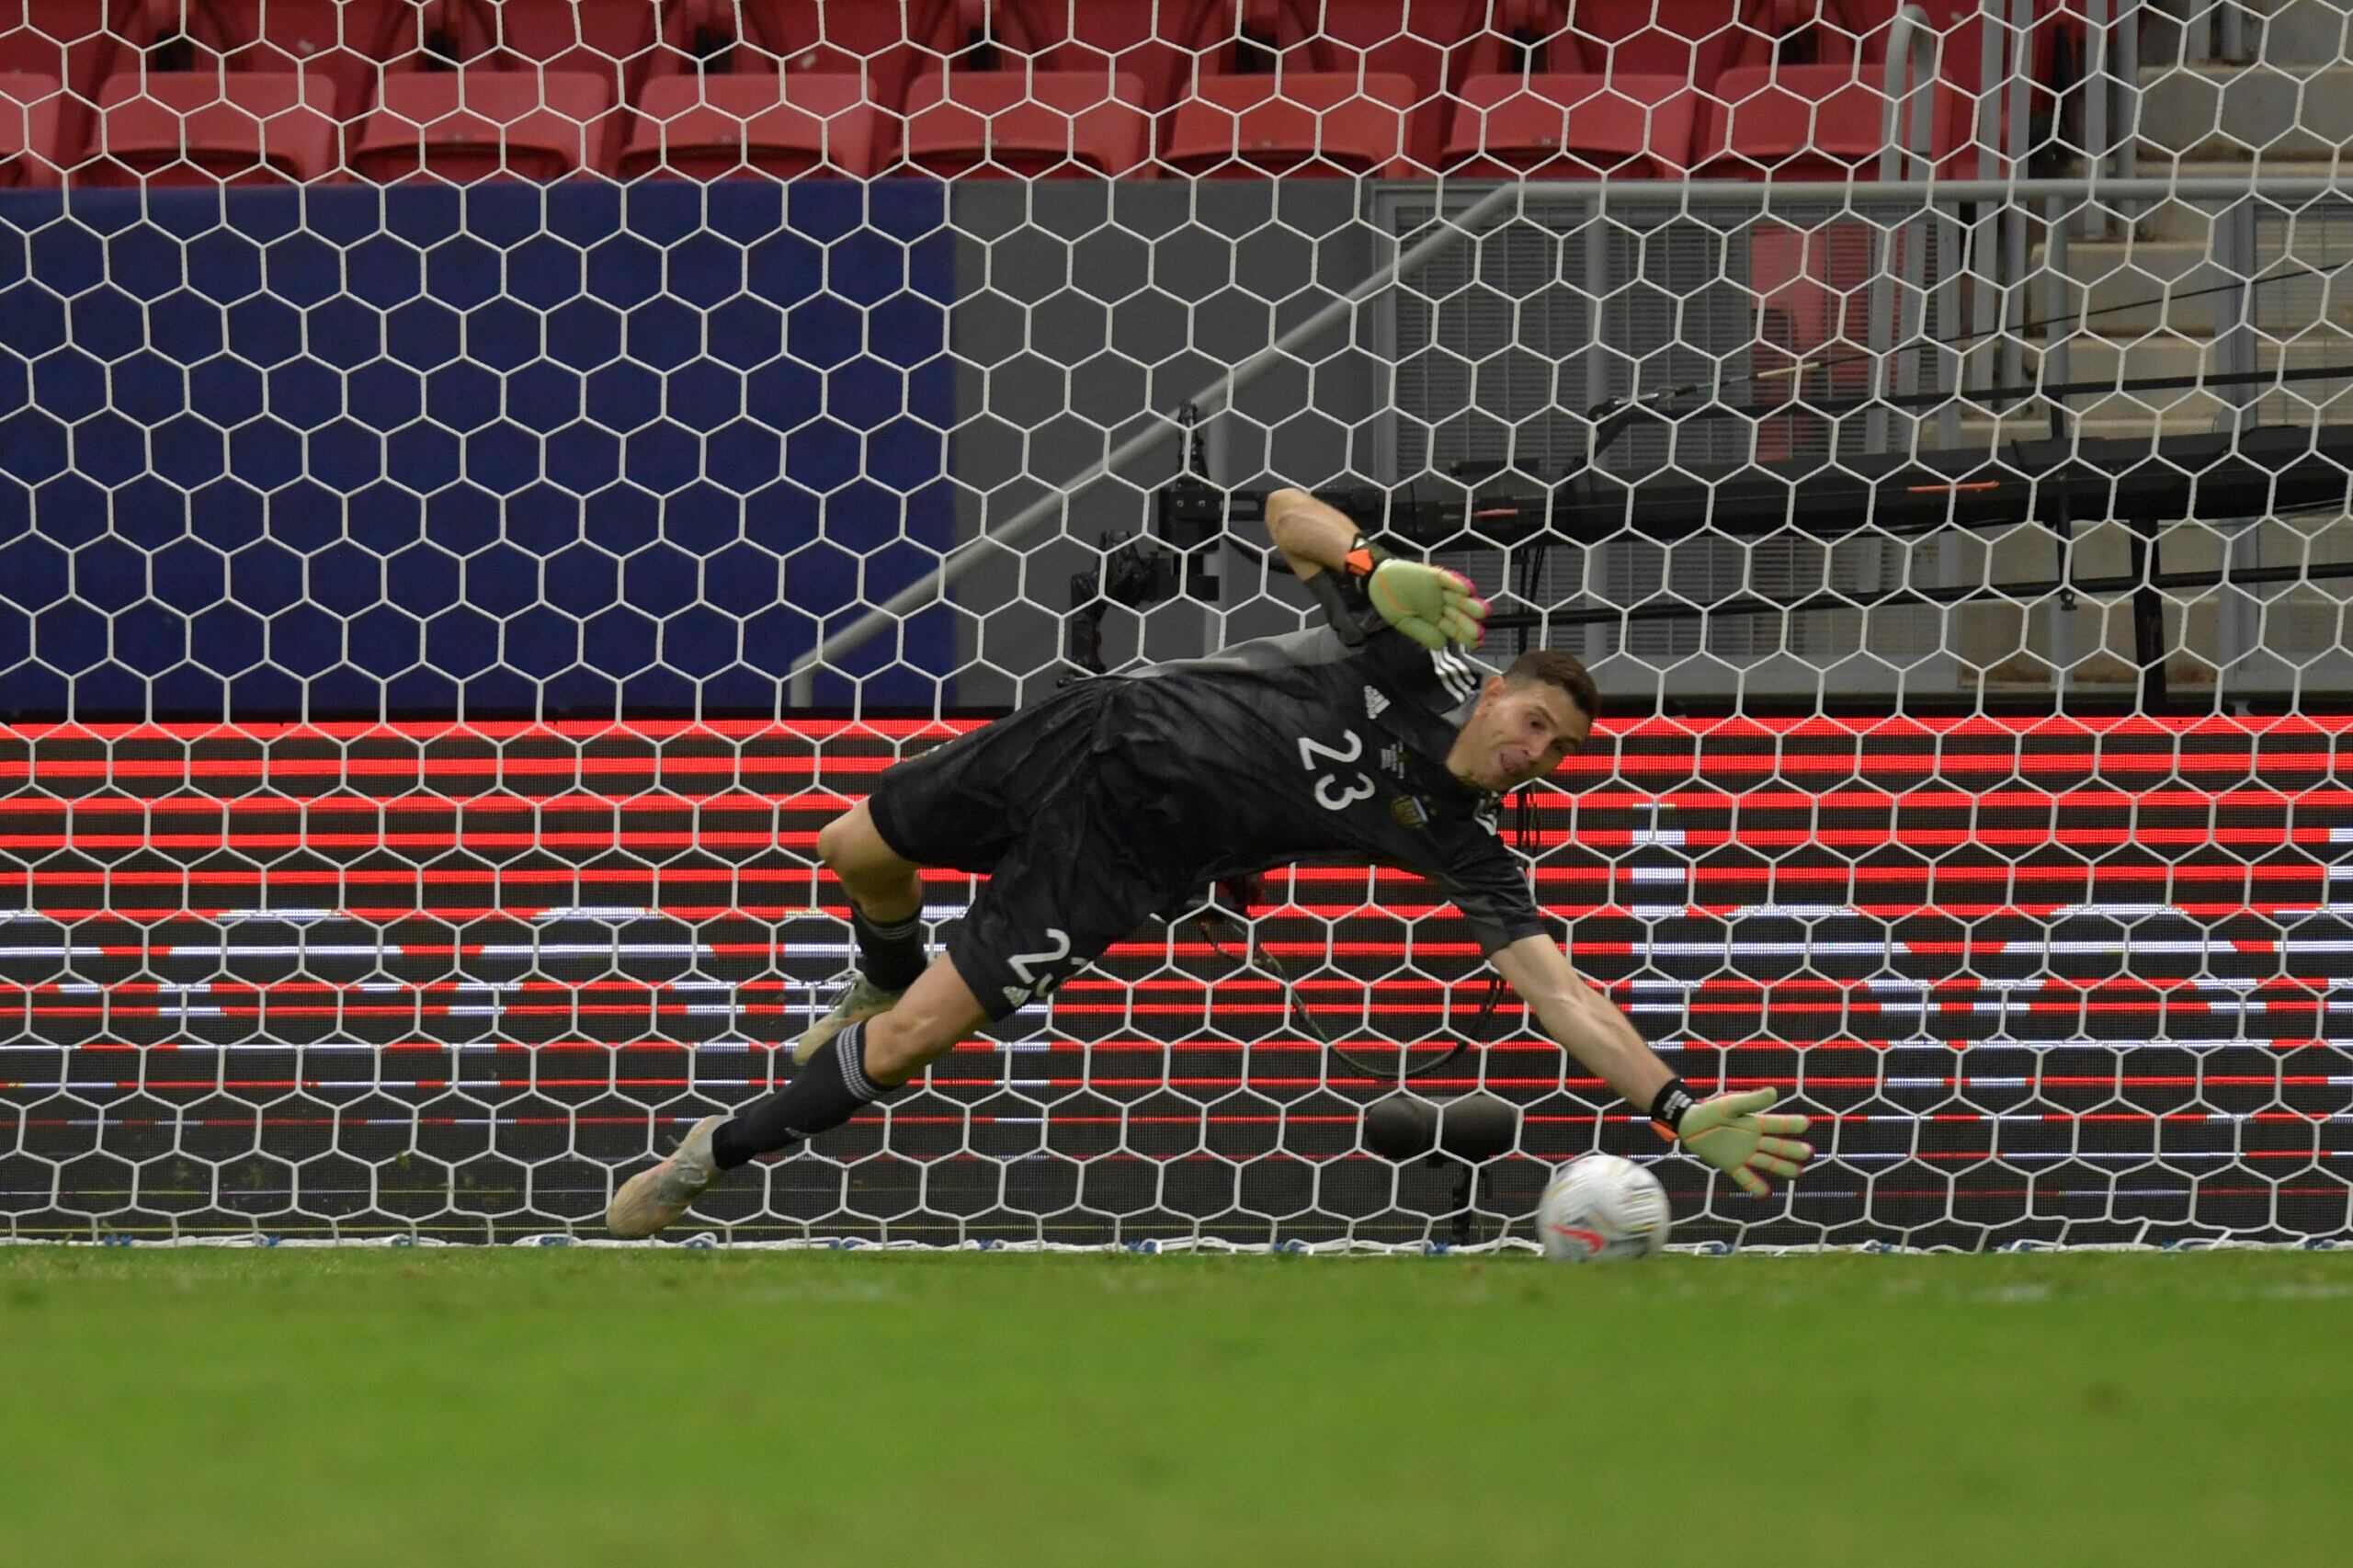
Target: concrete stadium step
2108, 419
2216, 108
2124, 416
2135, 279
2194, 221
2280, 32
2092, 357
2147, 284
2304, 32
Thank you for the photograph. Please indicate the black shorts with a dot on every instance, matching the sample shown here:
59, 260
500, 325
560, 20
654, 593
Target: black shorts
1043, 801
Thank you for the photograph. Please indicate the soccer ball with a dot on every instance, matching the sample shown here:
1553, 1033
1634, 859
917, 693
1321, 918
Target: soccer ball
1601, 1208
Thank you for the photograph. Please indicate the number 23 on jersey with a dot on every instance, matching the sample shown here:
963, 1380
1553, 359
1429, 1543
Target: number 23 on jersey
1330, 792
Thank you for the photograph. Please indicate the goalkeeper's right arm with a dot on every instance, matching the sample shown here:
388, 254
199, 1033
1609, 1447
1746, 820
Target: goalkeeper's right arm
1430, 605
1312, 536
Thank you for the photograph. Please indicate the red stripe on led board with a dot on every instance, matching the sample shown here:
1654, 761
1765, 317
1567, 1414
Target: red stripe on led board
1114, 1044
1699, 876
708, 913
1966, 989
1691, 730
1605, 838
656, 797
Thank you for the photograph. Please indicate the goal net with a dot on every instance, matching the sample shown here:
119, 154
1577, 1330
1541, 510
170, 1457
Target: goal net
481, 485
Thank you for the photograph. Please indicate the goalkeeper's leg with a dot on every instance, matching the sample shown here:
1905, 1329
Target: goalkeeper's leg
886, 919
1066, 879
1046, 913
856, 1065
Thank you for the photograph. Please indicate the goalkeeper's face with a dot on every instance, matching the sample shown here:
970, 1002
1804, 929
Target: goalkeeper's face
1517, 734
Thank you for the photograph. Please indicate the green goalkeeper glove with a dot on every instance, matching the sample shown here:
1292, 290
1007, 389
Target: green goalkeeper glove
1727, 1132
1428, 604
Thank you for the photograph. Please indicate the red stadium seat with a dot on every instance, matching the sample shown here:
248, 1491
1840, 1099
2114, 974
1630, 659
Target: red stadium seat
981, 102
1106, 37
461, 126
351, 43
1316, 124
30, 108
1337, 87
1005, 122
613, 40
795, 38
1693, 39
188, 128
74, 42
1793, 122
1572, 127
1425, 39
710, 126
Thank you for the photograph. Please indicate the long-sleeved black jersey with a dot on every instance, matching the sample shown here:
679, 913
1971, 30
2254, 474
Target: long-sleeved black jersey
1327, 742
1123, 796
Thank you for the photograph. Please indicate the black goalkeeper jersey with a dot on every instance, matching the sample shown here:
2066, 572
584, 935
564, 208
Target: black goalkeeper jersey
1314, 745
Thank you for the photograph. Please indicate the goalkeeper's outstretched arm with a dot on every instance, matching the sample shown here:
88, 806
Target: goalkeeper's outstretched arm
1430, 605
1726, 1131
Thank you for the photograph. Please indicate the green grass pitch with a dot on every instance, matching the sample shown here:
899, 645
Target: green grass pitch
581, 1407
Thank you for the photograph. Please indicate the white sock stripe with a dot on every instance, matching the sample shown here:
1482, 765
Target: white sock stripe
849, 1046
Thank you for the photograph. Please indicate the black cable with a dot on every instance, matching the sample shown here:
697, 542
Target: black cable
1258, 961
1839, 406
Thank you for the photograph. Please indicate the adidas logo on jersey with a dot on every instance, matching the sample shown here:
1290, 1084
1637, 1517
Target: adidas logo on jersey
1375, 703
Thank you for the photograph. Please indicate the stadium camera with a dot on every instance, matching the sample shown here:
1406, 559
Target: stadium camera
1188, 522
1401, 1128
1472, 1128
1463, 1133
1138, 571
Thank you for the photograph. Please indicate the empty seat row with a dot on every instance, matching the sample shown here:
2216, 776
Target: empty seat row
458, 89
1792, 122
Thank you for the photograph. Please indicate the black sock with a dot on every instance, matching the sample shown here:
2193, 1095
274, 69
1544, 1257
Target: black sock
828, 1090
890, 956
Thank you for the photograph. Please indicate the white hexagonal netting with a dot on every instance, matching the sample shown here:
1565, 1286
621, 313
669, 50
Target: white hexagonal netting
482, 485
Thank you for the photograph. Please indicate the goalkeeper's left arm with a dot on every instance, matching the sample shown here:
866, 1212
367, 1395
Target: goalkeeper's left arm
1726, 1131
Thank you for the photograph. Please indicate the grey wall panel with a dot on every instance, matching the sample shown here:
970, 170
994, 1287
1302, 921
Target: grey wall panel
1088, 311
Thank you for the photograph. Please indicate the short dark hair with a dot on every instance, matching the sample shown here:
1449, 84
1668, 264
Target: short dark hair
1557, 669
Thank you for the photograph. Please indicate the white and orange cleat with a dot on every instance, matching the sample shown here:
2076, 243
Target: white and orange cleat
650, 1200
861, 999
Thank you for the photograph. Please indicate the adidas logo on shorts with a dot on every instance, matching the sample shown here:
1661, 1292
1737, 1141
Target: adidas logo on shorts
1375, 704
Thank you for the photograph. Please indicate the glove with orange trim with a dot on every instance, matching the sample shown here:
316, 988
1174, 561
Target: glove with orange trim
1727, 1131
1430, 605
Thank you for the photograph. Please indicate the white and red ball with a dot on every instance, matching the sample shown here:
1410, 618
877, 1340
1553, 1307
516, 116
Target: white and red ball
1600, 1209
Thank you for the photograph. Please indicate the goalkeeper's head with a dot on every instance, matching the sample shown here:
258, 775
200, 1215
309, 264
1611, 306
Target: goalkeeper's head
1527, 720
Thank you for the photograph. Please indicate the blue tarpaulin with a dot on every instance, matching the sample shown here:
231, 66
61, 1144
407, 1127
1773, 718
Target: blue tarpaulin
514, 450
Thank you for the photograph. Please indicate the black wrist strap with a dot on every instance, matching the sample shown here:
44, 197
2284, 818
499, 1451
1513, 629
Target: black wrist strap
1343, 595
1673, 1100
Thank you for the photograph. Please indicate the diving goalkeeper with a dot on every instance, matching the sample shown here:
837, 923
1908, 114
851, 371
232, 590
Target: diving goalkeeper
1122, 796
